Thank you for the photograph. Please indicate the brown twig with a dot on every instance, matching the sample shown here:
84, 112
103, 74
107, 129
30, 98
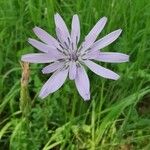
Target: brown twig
25, 100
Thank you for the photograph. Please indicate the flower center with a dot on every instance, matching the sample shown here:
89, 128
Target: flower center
73, 57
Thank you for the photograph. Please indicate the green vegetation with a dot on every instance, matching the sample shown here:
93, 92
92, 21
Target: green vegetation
118, 115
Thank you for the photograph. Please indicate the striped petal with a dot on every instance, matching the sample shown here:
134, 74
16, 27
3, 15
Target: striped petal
41, 46
37, 58
91, 54
72, 70
106, 40
75, 31
101, 71
111, 57
45, 48
52, 67
45, 37
62, 39
91, 37
82, 83
53, 83
60, 24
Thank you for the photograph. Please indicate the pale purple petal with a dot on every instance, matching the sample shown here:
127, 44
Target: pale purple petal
91, 37
82, 83
60, 24
72, 70
111, 57
45, 37
46, 48
53, 83
91, 54
41, 46
62, 38
37, 58
106, 40
75, 31
101, 71
52, 67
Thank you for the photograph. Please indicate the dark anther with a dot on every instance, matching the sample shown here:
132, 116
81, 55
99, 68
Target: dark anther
66, 45
68, 39
72, 46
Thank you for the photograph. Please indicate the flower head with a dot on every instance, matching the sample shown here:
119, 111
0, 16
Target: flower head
66, 58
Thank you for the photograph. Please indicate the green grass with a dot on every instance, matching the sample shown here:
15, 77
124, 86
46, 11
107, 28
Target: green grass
117, 116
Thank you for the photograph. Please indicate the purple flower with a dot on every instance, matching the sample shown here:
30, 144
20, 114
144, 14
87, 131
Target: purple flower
67, 59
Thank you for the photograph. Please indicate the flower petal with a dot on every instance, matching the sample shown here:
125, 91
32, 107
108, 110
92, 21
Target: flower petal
53, 83
37, 58
91, 54
45, 37
75, 31
72, 70
60, 24
101, 71
82, 83
41, 46
106, 40
111, 57
52, 67
62, 39
45, 48
91, 37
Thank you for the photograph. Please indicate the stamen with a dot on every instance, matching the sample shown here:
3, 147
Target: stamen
61, 46
59, 50
72, 46
68, 40
66, 45
88, 50
58, 40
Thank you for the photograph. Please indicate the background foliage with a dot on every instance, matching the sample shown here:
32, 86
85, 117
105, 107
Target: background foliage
116, 117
